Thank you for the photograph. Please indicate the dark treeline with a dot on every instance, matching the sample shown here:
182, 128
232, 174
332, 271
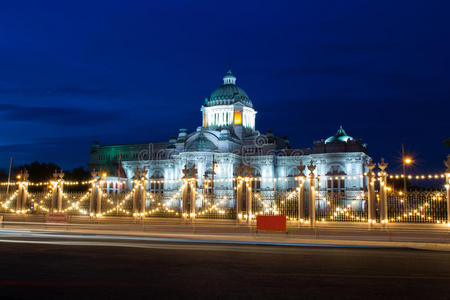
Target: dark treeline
414, 185
40, 172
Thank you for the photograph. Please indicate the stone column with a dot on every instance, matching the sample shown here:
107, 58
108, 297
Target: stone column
92, 200
136, 185
184, 198
239, 186
56, 201
22, 191
135, 197
143, 185
58, 190
249, 197
447, 185
93, 192
239, 190
301, 193
143, 197
99, 197
383, 192
20, 196
95, 201
60, 195
249, 192
189, 193
312, 194
19, 199
372, 202
192, 186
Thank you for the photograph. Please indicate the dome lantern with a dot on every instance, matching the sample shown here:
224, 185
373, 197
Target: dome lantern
229, 78
228, 93
228, 105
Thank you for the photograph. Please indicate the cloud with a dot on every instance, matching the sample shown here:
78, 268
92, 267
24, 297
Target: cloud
57, 115
327, 70
67, 152
58, 92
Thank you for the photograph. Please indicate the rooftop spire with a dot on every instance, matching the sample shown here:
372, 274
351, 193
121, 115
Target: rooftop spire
229, 78
341, 131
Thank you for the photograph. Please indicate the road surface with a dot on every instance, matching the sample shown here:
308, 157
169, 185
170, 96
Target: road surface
64, 265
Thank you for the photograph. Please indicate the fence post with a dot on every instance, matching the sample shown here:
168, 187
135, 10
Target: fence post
58, 190
99, 199
312, 194
94, 174
143, 197
249, 192
190, 185
239, 183
22, 192
135, 195
372, 203
383, 192
249, 198
136, 185
301, 193
143, 191
184, 199
447, 185
239, 190
19, 199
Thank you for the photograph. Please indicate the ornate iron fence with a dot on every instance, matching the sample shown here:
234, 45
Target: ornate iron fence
341, 206
330, 206
418, 207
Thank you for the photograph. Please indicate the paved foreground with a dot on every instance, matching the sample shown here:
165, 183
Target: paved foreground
61, 265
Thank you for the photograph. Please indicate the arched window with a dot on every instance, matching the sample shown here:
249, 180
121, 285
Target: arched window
256, 185
208, 181
335, 179
292, 182
157, 182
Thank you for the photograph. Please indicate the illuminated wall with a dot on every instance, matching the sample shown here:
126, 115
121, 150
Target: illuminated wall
228, 115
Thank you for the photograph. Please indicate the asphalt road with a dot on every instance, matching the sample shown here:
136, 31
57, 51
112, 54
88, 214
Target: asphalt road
67, 266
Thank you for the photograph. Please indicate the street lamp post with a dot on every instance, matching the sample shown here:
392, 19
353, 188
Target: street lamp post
405, 161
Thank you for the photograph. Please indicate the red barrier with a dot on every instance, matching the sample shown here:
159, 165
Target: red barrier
273, 223
56, 218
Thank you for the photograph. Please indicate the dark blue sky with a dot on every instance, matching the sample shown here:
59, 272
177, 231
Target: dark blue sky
129, 71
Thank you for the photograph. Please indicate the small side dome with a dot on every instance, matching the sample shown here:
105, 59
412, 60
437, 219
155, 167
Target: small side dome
340, 136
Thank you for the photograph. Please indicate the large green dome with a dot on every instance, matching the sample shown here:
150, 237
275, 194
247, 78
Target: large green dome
228, 93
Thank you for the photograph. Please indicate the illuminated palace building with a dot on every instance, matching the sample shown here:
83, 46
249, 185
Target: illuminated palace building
227, 139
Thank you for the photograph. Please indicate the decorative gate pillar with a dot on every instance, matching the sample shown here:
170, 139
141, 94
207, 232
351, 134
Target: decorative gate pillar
189, 192
301, 192
139, 192
95, 204
447, 186
56, 202
249, 192
143, 187
372, 202
93, 192
312, 194
135, 190
22, 191
383, 192
239, 190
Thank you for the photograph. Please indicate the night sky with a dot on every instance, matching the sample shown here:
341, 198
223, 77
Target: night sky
127, 71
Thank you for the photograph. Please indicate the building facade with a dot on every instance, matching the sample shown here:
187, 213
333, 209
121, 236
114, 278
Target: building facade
227, 139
